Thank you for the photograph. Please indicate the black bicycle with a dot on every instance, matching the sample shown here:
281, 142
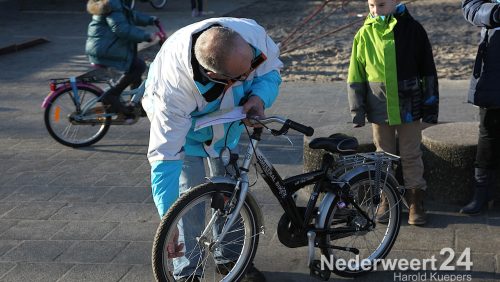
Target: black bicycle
358, 215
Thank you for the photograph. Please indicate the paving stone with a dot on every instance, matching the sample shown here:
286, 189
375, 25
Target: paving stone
5, 224
84, 230
37, 251
33, 193
87, 194
470, 237
121, 179
95, 272
427, 238
68, 179
5, 208
33, 230
31, 166
92, 252
135, 253
139, 273
132, 212
34, 210
6, 267
5, 191
36, 272
82, 211
126, 195
133, 231
7, 245
120, 165
34, 178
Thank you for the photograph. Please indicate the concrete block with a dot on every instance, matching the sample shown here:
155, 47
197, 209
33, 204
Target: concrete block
121, 179
449, 152
5, 191
36, 251
92, 251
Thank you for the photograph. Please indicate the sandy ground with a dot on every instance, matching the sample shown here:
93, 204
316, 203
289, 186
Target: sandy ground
453, 39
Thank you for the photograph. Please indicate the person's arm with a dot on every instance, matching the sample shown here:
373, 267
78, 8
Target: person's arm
143, 19
482, 13
121, 27
357, 87
170, 123
428, 76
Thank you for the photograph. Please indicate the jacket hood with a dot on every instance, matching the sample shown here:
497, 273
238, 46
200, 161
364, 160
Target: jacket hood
98, 7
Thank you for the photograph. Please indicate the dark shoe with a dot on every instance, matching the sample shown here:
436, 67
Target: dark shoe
189, 279
252, 274
415, 200
382, 215
482, 181
114, 104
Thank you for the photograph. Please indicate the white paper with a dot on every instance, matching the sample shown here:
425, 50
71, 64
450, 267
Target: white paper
221, 116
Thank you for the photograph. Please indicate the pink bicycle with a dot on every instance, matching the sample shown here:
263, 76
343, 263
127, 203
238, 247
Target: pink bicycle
74, 113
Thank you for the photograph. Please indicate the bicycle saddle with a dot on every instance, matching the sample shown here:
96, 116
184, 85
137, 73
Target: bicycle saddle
336, 143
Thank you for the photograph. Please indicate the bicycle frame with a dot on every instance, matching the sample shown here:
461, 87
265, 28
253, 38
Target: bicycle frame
283, 189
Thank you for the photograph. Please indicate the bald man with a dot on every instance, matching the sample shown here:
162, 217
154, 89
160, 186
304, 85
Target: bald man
215, 64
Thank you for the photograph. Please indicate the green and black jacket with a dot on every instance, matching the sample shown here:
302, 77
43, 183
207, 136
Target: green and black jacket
392, 76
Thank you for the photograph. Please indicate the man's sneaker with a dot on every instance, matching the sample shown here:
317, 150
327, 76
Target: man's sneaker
252, 274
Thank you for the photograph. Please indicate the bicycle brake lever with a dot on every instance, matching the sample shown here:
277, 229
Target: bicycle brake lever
275, 132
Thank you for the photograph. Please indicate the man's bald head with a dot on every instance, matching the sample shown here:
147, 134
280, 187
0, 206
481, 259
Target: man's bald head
222, 50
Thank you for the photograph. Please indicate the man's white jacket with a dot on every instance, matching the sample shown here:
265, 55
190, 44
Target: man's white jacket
173, 102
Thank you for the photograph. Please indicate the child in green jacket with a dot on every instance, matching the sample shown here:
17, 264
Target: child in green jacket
392, 83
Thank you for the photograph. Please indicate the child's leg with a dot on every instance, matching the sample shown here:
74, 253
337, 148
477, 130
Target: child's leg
384, 137
410, 139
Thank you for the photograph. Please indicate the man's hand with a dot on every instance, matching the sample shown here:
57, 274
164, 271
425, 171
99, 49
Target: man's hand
174, 249
254, 107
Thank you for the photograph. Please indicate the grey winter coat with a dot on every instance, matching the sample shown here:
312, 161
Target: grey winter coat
112, 33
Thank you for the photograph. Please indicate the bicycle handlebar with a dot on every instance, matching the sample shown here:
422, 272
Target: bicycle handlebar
287, 124
161, 32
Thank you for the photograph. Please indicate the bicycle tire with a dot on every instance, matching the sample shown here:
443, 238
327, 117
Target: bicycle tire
389, 230
158, 4
162, 265
58, 124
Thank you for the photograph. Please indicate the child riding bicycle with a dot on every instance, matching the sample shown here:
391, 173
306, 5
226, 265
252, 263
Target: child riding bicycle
112, 42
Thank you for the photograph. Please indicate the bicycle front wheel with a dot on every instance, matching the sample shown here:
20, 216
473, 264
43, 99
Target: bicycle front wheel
61, 114
185, 242
373, 242
158, 4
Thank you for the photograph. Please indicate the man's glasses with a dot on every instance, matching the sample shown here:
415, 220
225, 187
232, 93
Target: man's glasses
228, 80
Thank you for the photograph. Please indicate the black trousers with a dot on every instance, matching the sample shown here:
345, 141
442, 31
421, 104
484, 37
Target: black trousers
488, 145
197, 4
132, 77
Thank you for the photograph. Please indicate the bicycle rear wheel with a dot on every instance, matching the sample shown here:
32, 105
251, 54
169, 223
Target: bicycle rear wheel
59, 118
374, 243
197, 255
158, 4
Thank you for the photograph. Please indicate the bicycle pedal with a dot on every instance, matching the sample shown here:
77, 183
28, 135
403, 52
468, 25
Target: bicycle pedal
317, 272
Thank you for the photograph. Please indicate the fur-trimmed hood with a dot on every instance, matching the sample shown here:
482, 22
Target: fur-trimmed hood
98, 7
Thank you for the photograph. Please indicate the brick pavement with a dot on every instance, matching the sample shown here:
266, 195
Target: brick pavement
87, 214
